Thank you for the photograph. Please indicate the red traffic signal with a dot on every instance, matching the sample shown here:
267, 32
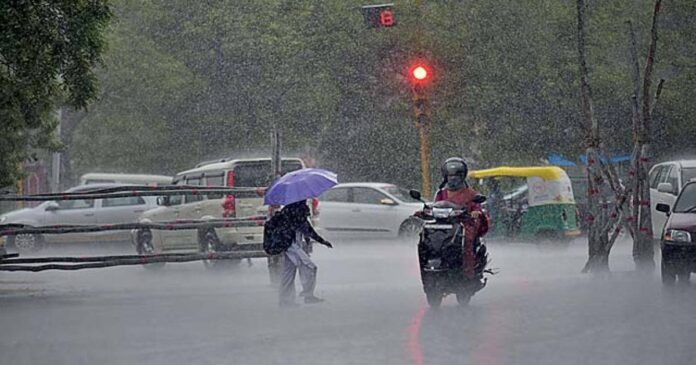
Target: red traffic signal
420, 73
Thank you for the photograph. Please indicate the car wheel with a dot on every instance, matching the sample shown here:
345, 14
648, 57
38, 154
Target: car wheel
144, 246
668, 273
410, 228
209, 242
684, 277
27, 243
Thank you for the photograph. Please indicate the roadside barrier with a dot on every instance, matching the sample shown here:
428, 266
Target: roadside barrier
96, 262
15, 229
10, 262
136, 190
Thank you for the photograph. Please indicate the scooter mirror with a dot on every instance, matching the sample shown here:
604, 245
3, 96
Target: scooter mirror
415, 194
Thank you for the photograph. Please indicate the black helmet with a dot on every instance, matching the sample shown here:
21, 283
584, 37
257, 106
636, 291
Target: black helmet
454, 172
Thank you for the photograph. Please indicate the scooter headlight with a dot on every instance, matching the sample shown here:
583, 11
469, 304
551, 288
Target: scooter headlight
441, 212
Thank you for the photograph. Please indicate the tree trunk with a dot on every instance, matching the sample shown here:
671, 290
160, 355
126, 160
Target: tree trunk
598, 240
643, 252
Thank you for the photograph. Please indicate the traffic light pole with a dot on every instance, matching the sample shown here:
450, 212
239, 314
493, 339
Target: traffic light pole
422, 125
422, 120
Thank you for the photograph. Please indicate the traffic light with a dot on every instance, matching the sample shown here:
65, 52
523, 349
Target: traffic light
420, 73
420, 76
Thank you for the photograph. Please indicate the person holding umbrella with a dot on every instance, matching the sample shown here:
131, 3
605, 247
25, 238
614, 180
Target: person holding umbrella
296, 258
292, 190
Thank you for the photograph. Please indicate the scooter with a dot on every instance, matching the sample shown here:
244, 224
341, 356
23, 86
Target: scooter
441, 252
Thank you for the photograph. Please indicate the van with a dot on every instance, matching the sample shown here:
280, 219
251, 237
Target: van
240, 173
138, 179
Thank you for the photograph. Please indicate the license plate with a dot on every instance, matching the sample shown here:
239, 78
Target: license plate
438, 226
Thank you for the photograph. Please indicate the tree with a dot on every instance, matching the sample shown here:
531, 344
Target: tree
642, 124
219, 74
602, 176
47, 53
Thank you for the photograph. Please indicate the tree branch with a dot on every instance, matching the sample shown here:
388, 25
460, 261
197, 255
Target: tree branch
647, 76
657, 95
636, 81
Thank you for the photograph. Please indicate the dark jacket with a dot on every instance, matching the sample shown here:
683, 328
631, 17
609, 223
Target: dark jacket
295, 218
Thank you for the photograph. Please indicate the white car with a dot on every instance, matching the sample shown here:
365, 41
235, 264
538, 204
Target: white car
666, 181
374, 210
81, 212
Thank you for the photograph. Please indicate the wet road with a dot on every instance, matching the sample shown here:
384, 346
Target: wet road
538, 310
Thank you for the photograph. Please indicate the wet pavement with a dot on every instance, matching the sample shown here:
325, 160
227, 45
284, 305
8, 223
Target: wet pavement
538, 310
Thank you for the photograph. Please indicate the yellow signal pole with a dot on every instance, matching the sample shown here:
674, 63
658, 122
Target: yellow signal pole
422, 120
424, 156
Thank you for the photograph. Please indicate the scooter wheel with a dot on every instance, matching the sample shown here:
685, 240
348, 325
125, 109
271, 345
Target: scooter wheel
464, 297
434, 299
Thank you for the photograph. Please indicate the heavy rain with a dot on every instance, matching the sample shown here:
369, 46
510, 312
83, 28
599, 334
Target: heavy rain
341, 182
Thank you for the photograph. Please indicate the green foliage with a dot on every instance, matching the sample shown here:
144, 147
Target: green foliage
47, 52
189, 81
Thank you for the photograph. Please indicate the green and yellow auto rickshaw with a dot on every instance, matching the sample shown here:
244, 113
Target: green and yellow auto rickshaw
542, 208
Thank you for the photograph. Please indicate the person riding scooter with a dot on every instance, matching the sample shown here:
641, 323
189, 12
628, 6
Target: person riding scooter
455, 189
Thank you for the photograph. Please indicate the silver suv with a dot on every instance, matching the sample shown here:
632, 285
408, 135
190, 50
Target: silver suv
244, 173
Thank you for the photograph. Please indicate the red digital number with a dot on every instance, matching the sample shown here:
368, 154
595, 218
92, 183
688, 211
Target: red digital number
386, 18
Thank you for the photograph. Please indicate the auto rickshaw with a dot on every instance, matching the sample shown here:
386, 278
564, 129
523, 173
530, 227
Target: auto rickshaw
543, 208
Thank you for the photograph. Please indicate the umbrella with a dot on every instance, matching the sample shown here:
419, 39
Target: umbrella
299, 185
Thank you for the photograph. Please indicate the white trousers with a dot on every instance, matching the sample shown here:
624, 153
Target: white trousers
296, 259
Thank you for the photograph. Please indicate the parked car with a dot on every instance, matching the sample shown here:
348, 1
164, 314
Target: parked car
106, 178
84, 212
666, 181
678, 238
374, 210
245, 173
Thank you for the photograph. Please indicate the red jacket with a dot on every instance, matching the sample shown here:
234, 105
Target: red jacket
464, 197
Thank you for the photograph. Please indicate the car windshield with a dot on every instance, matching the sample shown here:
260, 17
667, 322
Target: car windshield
259, 173
687, 200
400, 193
688, 174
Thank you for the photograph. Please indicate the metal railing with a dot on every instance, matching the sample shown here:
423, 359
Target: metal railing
11, 262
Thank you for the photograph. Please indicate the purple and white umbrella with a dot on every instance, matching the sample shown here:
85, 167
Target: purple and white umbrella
299, 185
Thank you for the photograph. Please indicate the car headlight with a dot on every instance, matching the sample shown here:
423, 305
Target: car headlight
3, 218
676, 235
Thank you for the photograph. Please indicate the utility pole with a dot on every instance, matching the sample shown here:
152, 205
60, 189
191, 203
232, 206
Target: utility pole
55, 158
275, 153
